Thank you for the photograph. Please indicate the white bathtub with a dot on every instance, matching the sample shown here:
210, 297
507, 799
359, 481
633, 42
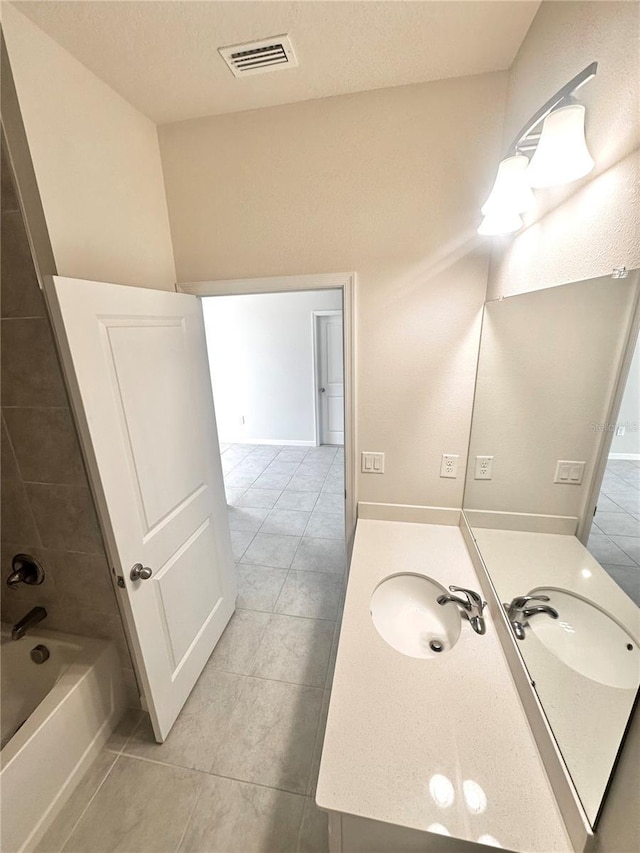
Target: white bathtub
56, 716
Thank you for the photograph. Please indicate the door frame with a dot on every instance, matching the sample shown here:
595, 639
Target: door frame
593, 493
291, 283
315, 317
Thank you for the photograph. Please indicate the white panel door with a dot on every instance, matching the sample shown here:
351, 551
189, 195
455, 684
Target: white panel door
331, 379
136, 361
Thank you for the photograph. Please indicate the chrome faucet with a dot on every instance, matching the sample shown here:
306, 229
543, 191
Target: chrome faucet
472, 606
37, 614
520, 611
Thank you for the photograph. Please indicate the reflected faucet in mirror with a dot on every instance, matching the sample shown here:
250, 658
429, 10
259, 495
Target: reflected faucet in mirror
521, 610
556, 513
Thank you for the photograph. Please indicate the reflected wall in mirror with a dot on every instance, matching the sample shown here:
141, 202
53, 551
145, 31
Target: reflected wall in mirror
553, 376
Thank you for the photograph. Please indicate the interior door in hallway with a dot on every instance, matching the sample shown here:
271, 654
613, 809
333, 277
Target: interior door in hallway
330, 378
136, 363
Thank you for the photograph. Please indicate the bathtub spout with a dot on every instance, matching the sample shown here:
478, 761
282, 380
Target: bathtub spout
37, 614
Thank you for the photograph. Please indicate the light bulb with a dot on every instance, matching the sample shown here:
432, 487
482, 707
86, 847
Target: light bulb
504, 223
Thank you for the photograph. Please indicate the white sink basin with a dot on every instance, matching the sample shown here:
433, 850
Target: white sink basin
407, 616
588, 640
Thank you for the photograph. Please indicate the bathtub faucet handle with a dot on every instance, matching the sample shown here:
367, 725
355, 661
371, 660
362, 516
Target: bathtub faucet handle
25, 569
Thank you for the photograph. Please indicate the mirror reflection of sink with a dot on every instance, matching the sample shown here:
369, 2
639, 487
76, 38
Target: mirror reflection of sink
588, 640
408, 617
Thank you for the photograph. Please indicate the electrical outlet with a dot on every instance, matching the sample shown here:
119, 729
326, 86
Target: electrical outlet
449, 465
484, 468
372, 463
569, 472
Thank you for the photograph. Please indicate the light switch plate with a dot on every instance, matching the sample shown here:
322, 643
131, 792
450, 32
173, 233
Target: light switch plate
484, 468
372, 463
569, 472
449, 465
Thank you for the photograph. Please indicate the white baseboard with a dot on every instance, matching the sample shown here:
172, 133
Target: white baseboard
630, 457
292, 442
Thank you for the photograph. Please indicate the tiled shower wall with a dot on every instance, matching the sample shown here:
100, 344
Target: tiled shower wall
47, 508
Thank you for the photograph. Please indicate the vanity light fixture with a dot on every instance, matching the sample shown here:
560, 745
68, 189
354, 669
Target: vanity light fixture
555, 135
511, 190
562, 155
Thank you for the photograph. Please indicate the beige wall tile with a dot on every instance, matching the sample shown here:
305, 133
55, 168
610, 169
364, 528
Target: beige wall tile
83, 580
65, 517
21, 296
30, 371
9, 466
16, 517
8, 196
46, 446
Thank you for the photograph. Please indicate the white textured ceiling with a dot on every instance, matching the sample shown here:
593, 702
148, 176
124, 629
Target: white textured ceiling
162, 56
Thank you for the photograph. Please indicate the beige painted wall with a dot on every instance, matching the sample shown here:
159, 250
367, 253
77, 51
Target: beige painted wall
586, 228
548, 365
97, 164
386, 184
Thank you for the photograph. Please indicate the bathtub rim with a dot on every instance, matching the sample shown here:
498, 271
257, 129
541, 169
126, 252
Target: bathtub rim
79, 669
96, 659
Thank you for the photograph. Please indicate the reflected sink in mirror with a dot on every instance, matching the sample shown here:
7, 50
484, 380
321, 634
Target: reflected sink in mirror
555, 435
587, 639
406, 614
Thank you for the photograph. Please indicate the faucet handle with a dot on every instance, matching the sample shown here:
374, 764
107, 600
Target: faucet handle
472, 596
520, 601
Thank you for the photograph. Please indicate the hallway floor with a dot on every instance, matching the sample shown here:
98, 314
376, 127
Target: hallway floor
238, 772
615, 535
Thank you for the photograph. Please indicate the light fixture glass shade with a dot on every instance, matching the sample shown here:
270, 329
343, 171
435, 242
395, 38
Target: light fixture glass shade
511, 191
500, 223
562, 155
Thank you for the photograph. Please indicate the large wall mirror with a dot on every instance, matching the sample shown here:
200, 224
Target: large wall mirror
555, 434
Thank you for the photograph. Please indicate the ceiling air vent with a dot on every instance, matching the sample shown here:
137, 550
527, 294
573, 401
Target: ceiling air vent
258, 57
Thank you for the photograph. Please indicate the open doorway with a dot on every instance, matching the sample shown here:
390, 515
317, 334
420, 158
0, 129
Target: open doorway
276, 363
256, 436
614, 539
277, 374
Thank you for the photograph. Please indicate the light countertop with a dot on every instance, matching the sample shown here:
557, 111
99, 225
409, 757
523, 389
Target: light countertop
521, 561
438, 744
575, 705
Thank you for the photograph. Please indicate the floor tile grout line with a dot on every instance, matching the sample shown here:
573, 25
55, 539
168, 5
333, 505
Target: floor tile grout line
196, 800
116, 757
287, 615
315, 739
278, 680
147, 760
613, 542
307, 524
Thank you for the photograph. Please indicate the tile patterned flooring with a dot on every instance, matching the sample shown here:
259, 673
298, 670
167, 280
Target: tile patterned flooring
615, 535
238, 772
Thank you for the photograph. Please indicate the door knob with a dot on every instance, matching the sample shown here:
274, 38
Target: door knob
322, 390
140, 572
